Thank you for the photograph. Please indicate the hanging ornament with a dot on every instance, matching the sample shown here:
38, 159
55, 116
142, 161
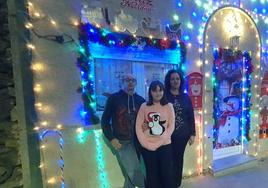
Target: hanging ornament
151, 26
125, 22
173, 32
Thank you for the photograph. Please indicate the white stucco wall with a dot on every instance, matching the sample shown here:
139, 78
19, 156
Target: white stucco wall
60, 77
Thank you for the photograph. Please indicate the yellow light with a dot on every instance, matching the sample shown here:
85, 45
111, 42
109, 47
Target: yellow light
30, 46
37, 88
59, 126
116, 28
37, 67
76, 23
41, 165
43, 146
36, 128
199, 63
97, 25
44, 123
39, 104
37, 14
30, 4
29, 25
150, 36
52, 22
233, 24
51, 180
79, 130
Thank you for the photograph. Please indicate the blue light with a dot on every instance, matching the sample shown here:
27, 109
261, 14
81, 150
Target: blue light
204, 19
83, 113
91, 30
61, 162
263, 10
179, 4
255, 10
111, 42
194, 14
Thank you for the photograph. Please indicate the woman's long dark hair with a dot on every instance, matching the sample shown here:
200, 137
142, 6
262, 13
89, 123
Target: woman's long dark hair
153, 87
167, 81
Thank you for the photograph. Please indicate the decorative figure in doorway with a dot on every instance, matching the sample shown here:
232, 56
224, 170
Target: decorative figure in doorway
229, 122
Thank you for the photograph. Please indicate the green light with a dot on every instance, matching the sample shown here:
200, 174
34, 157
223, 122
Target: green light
82, 50
81, 137
104, 32
176, 17
103, 180
198, 3
93, 104
190, 25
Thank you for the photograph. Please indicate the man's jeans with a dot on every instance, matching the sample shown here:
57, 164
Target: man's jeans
130, 165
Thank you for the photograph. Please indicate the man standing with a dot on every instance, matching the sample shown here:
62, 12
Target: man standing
118, 125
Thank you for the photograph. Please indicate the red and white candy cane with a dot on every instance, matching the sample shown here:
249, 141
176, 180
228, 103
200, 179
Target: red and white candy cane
61, 142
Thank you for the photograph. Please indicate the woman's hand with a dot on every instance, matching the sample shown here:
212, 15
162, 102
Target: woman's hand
191, 140
116, 144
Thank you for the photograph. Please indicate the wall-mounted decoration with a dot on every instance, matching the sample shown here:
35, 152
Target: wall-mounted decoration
151, 26
93, 15
125, 22
232, 93
173, 32
263, 133
194, 85
144, 5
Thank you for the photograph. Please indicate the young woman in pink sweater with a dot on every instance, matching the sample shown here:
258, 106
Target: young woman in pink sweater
154, 126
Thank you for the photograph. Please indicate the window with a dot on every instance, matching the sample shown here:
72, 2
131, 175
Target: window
109, 73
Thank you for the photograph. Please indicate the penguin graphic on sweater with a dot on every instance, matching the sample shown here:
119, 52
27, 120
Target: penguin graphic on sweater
156, 126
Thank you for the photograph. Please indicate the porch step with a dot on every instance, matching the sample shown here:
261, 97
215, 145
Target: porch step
232, 164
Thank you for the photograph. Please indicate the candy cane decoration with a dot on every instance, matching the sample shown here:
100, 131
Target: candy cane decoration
61, 161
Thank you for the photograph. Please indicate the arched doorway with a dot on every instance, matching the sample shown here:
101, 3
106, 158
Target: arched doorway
232, 49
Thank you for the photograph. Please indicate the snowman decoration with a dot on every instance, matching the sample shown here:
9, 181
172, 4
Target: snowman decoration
229, 122
156, 126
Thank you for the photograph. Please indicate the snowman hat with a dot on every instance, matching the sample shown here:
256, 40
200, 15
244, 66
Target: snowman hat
226, 99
